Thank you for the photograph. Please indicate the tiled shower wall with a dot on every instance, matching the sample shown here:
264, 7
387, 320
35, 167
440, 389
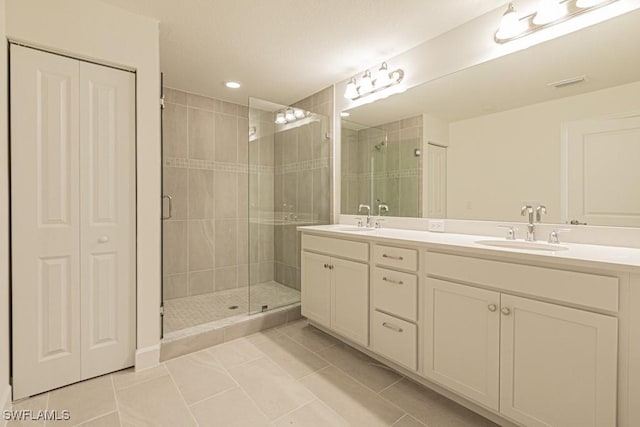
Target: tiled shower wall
302, 185
205, 172
395, 171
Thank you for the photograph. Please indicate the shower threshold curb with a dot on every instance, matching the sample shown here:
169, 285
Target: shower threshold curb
199, 337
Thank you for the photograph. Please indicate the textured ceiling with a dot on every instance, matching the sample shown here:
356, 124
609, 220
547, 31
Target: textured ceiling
285, 50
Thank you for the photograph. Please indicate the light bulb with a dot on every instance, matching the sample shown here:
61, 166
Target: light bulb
289, 115
510, 25
351, 91
382, 76
280, 120
366, 85
232, 85
583, 4
548, 11
299, 114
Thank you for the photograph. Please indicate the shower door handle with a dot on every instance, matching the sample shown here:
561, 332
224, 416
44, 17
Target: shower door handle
168, 197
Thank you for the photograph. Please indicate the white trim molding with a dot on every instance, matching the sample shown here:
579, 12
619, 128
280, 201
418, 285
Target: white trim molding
147, 357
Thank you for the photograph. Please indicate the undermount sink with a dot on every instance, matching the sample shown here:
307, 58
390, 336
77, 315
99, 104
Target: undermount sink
355, 228
520, 244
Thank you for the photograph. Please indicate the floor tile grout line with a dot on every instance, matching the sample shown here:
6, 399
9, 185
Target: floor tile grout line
161, 364
115, 396
255, 404
197, 402
315, 398
173, 381
391, 385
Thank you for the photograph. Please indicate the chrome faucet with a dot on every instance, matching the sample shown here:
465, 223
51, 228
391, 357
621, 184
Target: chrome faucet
540, 209
382, 207
528, 210
368, 208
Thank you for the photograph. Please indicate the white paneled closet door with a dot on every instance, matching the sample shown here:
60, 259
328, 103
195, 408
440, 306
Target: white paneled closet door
72, 213
107, 216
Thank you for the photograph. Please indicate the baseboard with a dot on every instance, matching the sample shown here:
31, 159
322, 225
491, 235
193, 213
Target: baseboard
5, 403
147, 357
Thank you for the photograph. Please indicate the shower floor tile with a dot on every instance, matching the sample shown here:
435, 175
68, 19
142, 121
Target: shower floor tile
182, 313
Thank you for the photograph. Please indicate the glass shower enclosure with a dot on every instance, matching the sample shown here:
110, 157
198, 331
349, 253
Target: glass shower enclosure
289, 186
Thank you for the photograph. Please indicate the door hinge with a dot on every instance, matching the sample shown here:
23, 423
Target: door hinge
162, 310
162, 102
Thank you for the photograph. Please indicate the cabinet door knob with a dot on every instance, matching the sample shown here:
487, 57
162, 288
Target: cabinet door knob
326, 266
492, 307
506, 311
103, 239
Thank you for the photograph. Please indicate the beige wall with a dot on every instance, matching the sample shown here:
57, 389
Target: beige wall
92, 30
496, 162
4, 222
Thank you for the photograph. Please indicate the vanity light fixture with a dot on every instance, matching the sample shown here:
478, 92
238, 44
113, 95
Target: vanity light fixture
548, 13
372, 82
289, 115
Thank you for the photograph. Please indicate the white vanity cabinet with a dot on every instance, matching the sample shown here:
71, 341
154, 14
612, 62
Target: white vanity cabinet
335, 285
538, 363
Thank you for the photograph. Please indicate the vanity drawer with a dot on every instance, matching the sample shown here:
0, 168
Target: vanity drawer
590, 290
405, 259
336, 247
395, 293
395, 339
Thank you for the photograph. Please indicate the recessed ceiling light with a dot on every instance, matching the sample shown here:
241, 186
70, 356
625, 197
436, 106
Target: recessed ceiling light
232, 85
345, 114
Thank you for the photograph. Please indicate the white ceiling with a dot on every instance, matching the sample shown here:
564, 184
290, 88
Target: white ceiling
607, 53
285, 50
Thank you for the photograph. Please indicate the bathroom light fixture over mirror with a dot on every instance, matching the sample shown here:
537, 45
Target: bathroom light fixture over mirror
290, 115
548, 13
374, 82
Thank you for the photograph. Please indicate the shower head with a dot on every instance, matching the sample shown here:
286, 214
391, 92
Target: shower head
381, 145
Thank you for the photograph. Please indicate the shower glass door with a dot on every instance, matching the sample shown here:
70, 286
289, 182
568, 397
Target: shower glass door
289, 186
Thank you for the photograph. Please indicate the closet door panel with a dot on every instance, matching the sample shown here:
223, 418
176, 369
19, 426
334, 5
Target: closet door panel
44, 221
107, 206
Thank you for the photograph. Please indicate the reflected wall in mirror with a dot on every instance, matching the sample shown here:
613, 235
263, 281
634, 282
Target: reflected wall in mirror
517, 130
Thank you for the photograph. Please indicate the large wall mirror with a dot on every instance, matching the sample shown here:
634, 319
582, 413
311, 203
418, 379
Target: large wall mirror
557, 124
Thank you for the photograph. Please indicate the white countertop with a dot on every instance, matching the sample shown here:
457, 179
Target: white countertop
611, 257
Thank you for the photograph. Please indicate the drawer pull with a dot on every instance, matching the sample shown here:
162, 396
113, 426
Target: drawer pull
397, 282
399, 258
392, 327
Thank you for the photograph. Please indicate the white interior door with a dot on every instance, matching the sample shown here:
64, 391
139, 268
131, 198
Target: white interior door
107, 236
44, 221
72, 213
601, 171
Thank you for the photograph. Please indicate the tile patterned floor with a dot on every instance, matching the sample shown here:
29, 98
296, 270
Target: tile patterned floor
182, 313
293, 375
